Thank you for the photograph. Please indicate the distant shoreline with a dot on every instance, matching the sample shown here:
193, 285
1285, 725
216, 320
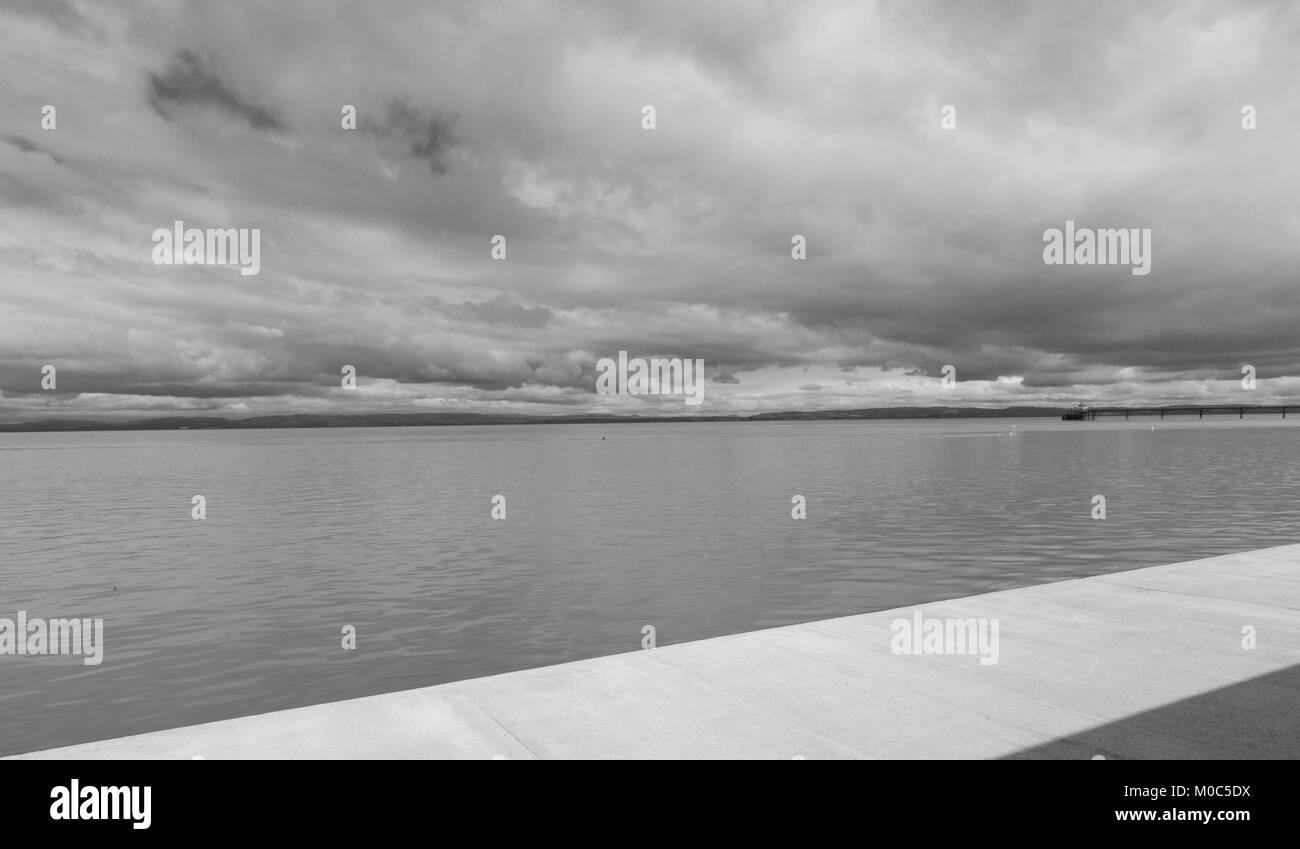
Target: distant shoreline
483, 419
471, 419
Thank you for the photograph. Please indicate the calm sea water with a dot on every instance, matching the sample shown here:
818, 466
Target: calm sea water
685, 527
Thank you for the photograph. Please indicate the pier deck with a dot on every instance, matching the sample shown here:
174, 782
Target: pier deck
1146, 663
1089, 414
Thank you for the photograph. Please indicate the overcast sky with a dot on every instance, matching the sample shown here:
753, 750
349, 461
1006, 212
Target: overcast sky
925, 245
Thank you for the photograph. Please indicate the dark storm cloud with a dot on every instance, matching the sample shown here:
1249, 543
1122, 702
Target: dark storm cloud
28, 146
22, 144
426, 134
186, 82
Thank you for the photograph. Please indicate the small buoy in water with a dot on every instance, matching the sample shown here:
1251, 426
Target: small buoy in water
602, 437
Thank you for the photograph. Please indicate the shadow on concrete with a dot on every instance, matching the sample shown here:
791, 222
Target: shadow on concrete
1256, 719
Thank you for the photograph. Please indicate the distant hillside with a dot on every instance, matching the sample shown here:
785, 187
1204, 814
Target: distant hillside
446, 419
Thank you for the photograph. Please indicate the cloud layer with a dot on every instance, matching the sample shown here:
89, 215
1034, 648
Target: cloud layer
924, 244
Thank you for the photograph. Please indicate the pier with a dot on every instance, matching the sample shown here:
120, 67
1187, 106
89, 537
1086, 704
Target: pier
1191, 660
1088, 414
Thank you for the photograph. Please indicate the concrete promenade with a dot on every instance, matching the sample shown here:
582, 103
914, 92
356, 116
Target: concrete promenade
1146, 663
